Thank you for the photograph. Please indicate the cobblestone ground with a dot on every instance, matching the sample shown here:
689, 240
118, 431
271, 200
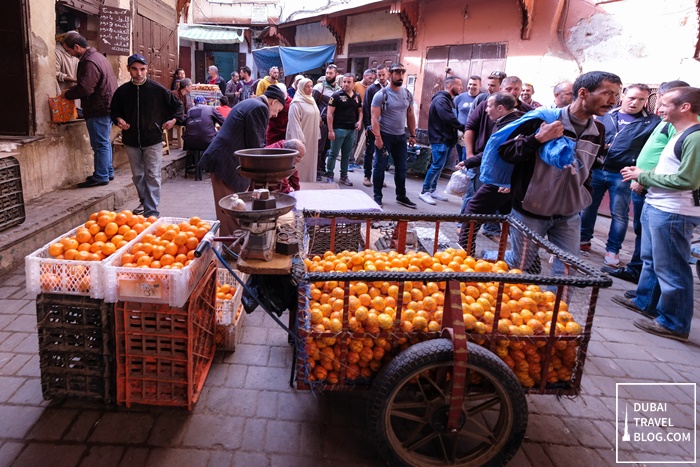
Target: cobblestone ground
248, 415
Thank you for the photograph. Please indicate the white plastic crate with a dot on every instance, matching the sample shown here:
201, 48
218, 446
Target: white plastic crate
171, 286
226, 309
46, 274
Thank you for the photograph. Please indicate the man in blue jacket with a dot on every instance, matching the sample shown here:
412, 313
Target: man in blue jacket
143, 109
627, 128
442, 135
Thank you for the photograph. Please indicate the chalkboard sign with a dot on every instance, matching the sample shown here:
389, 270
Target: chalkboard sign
115, 31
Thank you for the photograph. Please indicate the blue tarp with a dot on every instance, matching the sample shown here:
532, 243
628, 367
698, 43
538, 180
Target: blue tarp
293, 59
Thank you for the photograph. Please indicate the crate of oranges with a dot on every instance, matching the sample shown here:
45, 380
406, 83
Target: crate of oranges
229, 310
359, 309
160, 267
73, 263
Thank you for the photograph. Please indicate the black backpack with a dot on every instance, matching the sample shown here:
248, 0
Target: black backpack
678, 152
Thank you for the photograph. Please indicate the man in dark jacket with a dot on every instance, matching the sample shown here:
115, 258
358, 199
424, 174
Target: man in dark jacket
214, 78
627, 128
442, 135
244, 128
382, 80
200, 125
143, 109
96, 84
545, 198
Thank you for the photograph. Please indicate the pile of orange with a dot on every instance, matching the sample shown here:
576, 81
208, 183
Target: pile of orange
171, 246
103, 234
525, 310
224, 291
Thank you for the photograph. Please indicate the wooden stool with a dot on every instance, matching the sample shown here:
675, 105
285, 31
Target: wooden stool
166, 144
178, 131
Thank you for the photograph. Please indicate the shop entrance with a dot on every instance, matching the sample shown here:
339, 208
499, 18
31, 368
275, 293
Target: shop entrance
13, 62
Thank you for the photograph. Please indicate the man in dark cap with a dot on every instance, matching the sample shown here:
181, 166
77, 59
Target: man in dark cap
143, 109
244, 128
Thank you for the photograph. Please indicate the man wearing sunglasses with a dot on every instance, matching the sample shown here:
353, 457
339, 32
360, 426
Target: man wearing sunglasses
392, 111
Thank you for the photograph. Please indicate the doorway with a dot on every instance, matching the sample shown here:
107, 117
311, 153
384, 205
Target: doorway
13, 62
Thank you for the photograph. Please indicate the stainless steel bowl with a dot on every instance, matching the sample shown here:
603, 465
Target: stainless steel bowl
266, 160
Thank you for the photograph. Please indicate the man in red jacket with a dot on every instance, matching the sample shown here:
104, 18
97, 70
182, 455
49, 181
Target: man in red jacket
95, 87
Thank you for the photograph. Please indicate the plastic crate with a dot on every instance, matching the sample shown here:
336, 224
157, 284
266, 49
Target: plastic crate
76, 347
167, 286
163, 353
576, 292
229, 313
348, 236
11, 198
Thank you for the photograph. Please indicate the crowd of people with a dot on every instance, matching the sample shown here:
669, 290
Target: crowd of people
549, 166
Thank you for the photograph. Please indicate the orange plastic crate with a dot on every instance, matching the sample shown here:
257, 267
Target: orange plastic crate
164, 353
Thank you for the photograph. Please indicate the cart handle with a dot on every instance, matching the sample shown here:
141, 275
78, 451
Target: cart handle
206, 240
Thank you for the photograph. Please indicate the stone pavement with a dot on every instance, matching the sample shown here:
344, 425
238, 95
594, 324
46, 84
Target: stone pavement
248, 415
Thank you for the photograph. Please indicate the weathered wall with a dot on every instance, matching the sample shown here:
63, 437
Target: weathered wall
313, 34
647, 41
372, 27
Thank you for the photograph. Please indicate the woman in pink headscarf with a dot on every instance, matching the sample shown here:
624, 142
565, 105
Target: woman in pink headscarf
304, 124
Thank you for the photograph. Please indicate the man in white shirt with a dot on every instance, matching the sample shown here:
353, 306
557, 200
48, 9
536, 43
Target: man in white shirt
671, 212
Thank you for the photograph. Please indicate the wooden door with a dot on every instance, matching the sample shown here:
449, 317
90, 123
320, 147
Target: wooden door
15, 120
433, 76
185, 61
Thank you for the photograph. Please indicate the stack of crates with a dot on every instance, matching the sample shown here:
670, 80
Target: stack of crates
163, 353
229, 313
11, 197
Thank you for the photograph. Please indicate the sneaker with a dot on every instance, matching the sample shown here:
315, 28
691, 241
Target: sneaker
378, 201
345, 181
384, 184
351, 169
426, 198
328, 179
612, 259
404, 201
631, 294
367, 182
652, 327
621, 273
630, 305
139, 209
585, 246
438, 196
319, 178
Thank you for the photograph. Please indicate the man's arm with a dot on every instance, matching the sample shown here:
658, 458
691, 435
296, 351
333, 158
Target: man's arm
524, 143
175, 110
687, 178
329, 118
376, 113
360, 116
411, 122
256, 127
88, 77
446, 115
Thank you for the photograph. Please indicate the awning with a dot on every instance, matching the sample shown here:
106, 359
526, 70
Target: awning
293, 59
211, 34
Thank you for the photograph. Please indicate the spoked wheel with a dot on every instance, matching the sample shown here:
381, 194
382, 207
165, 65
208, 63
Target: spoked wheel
409, 405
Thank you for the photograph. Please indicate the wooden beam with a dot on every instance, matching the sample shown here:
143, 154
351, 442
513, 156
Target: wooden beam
336, 25
527, 9
408, 14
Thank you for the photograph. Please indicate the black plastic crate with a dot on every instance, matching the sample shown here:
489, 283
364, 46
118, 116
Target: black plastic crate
11, 198
76, 347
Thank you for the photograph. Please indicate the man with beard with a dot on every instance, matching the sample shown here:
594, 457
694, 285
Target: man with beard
392, 111
344, 119
382, 80
464, 103
442, 135
546, 198
526, 95
322, 93
269, 80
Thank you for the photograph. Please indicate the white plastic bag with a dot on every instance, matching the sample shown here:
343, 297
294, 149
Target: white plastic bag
458, 183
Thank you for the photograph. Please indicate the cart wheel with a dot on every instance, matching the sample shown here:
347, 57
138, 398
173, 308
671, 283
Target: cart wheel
409, 404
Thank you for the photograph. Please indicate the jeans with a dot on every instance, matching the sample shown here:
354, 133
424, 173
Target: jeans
99, 129
564, 232
461, 153
369, 154
635, 264
343, 142
145, 170
322, 153
620, 193
397, 149
666, 282
440, 153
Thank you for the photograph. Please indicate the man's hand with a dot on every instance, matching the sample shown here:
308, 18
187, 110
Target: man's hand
502, 189
169, 124
630, 173
331, 134
637, 188
550, 131
460, 165
122, 124
378, 141
411, 141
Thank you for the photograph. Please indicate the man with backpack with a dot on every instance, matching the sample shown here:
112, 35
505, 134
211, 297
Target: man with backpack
392, 111
671, 212
246, 85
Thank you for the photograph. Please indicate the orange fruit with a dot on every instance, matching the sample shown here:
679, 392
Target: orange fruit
180, 239
151, 219
100, 237
108, 248
96, 246
181, 259
83, 236
194, 220
145, 260
169, 235
56, 249
167, 259
192, 243
158, 252
127, 258
103, 220
483, 266
138, 228
70, 254
111, 229
130, 235
155, 264
84, 247
83, 256
147, 248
